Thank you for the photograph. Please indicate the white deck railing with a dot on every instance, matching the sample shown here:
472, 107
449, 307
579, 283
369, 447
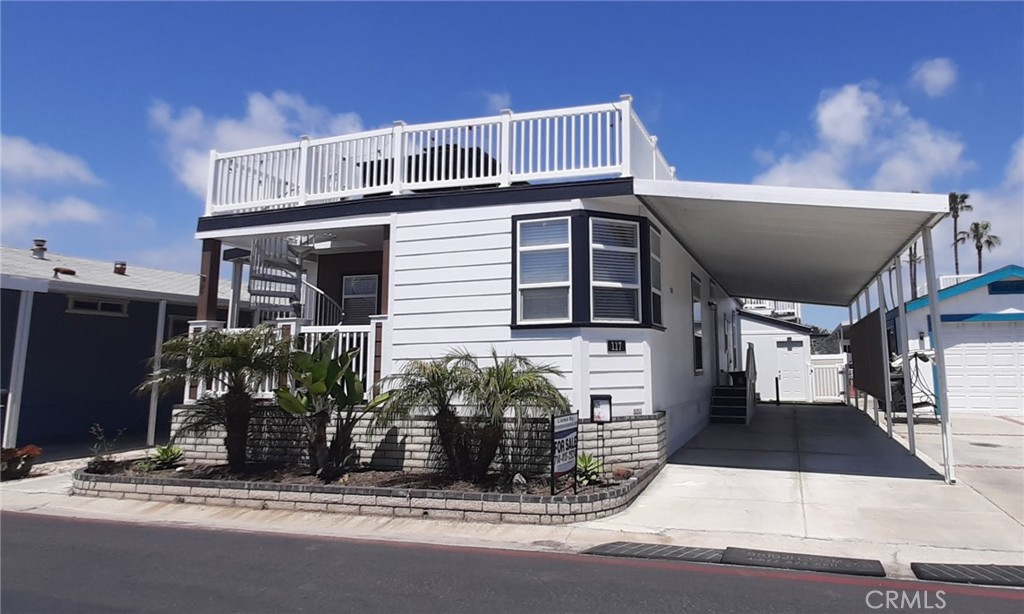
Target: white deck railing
349, 337
572, 143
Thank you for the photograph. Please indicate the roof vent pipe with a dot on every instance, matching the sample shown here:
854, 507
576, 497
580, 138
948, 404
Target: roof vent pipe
120, 267
39, 249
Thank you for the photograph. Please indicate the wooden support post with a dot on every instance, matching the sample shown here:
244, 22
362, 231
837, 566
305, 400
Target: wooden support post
209, 280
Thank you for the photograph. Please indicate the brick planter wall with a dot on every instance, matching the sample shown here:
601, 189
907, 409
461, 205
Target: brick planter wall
447, 505
627, 441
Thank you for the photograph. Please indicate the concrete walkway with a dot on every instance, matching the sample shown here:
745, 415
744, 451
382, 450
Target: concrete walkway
823, 480
817, 480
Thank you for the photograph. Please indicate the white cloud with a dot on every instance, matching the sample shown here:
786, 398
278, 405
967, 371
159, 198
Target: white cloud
496, 101
867, 140
21, 159
936, 77
182, 256
1015, 169
22, 212
278, 118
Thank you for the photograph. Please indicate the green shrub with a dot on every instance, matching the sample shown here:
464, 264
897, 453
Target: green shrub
588, 469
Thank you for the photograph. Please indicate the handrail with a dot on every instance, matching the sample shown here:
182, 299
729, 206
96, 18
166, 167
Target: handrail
324, 310
569, 143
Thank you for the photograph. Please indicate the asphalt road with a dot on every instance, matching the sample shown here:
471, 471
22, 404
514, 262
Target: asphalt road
56, 565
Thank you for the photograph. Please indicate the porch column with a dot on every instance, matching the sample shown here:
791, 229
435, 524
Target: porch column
18, 358
154, 394
904, 341
867, 312
385, 271
942, 396
885, 356
847, 383
236, 293
209, 280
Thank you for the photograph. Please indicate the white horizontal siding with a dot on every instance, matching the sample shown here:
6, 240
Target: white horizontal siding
454, 304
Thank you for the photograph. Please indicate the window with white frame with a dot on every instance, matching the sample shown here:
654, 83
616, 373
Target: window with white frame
614, 270
656, 317
544, 265
97, 306
358, 298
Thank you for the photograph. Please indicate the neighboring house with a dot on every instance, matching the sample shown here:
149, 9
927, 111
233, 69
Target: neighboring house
559, 235
783, 354
76, 335
983, 336
780, 310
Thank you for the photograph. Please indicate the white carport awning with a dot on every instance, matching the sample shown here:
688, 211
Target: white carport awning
796, 244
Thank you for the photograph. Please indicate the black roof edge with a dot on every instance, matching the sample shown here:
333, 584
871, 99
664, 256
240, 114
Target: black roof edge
769, 320
429, 201
235, 253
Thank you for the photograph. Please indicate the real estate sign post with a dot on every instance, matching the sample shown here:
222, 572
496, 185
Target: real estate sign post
563, 448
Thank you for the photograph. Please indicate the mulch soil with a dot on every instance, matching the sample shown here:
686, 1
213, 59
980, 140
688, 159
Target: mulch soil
369, 478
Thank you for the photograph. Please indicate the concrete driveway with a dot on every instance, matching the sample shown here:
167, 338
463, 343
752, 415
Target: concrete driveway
818, 479
988, 455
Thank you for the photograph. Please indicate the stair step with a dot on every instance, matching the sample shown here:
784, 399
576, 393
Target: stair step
729, 401
280, 279
729, 391
270, 306
728, 420
728, 411
278, 262
288, 294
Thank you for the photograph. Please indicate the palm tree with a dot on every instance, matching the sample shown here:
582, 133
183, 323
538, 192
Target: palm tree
957, 204
913, 259
470, 443
980, 233
237, 362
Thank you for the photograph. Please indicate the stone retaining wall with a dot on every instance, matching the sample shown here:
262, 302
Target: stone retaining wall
627, 441
441, 504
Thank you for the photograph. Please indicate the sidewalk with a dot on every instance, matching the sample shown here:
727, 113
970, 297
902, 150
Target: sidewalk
49, 495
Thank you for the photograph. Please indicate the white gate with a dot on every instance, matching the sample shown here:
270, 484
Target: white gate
827, 377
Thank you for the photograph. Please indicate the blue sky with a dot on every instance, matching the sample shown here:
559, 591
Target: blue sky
108, 109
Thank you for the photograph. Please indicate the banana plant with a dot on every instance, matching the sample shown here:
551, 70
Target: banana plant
324, 385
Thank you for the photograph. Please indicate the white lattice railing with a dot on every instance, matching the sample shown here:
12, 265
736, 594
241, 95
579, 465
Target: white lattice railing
349, 337
827, 377
572, 143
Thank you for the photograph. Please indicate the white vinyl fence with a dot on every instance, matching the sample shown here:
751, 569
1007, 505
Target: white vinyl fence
827, 377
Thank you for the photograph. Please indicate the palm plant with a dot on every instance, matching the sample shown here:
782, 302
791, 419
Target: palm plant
981, 234
957, 205
469, 445
323, 385
237, 361
513, 383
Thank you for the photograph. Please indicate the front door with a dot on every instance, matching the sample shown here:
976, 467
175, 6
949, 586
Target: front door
792, 370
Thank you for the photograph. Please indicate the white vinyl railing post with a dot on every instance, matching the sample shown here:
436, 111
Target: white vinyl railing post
654, 157
505, 154
398, 156
211, 182
196, 327
626, 134
304, 183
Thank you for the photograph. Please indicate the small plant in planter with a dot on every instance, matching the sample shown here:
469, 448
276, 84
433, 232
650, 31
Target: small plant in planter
17, 462
588, 469
102, 460
162, 457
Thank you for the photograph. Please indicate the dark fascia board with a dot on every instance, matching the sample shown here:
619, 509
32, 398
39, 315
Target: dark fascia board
236, 253
432, 201
775, 322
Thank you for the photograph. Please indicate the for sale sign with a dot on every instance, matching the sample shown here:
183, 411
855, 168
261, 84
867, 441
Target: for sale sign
563, 446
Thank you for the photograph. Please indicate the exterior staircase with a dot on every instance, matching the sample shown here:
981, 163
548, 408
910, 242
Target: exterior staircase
275, 277
729, 405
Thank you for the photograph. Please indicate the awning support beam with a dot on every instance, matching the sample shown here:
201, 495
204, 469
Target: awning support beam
942, 395
904, 341
883, 330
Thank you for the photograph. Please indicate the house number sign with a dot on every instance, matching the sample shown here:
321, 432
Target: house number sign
616, 345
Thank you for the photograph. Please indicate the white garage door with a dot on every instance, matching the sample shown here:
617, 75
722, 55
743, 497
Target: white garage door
985, 365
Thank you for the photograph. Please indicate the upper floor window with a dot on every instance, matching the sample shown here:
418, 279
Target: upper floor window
656, 317
97, 306
615, 270
544, 265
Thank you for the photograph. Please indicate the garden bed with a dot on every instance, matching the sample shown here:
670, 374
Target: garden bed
379, 493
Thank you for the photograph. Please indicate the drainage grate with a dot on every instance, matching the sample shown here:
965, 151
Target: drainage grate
996, 575
639, 550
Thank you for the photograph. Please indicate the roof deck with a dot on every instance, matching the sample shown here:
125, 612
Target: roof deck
570, 144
